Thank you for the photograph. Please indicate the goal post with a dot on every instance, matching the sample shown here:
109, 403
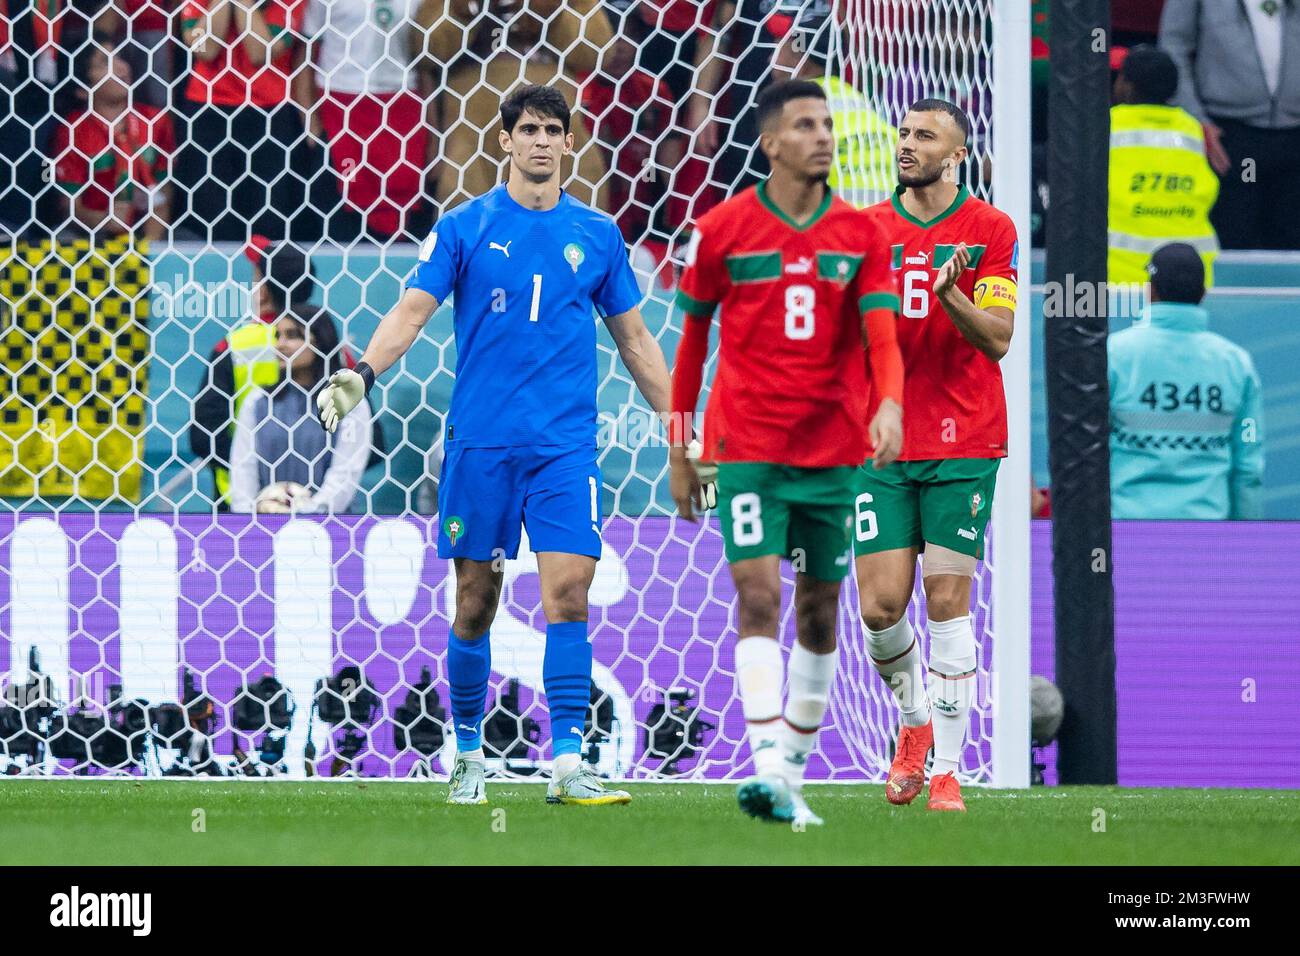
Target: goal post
1011, 501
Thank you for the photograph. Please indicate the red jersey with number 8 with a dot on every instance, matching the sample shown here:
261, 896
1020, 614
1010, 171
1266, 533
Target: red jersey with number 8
792, 384
956, 406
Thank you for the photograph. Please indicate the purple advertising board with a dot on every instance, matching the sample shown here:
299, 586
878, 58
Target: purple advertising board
233, 598
1207, 651
1207, 661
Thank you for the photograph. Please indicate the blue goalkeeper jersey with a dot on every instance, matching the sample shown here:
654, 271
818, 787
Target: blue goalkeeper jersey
525, 284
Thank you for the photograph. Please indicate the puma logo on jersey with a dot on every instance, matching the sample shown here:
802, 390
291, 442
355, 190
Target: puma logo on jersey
505, 249
801, 267
923, 259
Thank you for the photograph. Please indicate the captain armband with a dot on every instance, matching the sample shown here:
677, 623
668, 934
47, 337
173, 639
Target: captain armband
995, 291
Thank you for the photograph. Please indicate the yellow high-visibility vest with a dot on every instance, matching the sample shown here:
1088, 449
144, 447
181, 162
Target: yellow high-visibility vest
1161, 189
256, 365
863, 172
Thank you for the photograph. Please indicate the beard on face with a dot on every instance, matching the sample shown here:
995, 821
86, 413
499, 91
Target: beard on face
920, 178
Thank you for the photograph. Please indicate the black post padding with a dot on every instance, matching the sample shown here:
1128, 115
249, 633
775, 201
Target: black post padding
1078, 414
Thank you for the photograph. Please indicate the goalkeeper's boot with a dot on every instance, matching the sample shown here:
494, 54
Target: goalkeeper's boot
803, 814
581, 786
767, 798
467, 786
945, 793
907, 772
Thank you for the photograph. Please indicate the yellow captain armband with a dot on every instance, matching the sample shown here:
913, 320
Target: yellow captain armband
995, 290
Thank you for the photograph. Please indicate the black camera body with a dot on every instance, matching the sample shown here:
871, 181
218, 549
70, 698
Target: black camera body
599, 729
346, 699
674, 730
418, 724
264, 706
507, 733
24, 709
186, 727
72, 735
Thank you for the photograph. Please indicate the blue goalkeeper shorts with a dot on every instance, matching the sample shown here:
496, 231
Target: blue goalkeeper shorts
486, 494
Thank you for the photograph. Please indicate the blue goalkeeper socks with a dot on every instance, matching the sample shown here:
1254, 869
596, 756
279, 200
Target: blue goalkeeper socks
468, 665
566, 675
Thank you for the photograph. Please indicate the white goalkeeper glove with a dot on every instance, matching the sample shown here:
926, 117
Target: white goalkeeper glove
344, 392
706, 471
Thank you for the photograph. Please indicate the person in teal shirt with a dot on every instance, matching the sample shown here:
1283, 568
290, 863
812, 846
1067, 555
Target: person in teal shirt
1186, 437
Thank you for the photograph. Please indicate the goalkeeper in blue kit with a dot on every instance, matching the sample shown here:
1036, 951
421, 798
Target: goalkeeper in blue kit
526, 264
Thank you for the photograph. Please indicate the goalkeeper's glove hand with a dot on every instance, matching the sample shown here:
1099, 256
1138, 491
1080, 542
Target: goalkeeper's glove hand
344, 392
707, 472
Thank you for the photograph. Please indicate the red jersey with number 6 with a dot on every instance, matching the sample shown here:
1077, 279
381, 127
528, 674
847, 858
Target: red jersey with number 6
956, 406
792, 384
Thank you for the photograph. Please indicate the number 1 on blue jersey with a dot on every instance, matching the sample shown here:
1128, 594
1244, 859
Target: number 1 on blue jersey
537, 296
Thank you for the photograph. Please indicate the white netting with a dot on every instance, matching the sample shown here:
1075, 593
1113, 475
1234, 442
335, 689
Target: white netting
141, 629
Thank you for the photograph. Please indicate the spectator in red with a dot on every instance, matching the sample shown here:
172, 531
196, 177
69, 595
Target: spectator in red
237, 163
630, 113
679, 41
140, 31
364, 101
728, 57
111, 158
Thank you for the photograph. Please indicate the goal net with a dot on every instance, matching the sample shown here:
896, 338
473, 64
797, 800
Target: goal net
148, 629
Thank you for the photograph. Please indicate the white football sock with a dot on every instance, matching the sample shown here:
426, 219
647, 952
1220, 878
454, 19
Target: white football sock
475, 754
564, 763
897, 656
810, 677
952, 688
760, 672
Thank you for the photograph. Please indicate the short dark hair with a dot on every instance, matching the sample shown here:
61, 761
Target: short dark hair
773, 99
541, 100
931, 105
1153, 73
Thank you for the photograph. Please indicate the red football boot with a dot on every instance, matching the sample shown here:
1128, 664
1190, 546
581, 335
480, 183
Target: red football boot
945, 793
907, 772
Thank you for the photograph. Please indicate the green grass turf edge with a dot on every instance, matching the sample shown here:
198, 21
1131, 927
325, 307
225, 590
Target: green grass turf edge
88, 822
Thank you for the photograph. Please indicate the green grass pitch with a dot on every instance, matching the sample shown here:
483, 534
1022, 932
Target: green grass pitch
250, 822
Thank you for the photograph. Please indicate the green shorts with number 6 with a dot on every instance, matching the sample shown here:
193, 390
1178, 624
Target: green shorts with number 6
804, 514
943, 501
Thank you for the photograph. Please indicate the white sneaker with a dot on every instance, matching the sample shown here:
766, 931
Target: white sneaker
582, 786
467, 785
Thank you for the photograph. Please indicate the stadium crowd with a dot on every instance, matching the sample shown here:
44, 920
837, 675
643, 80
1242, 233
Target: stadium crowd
305, 119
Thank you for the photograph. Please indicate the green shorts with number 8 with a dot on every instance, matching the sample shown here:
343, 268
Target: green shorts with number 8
942, 501
804, 514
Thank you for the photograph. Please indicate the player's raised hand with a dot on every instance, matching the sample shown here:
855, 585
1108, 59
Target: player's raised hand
951, 270
343, 393
886, 431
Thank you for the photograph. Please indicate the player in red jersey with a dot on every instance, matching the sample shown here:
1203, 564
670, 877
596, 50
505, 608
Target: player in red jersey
955, 257
800, 276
